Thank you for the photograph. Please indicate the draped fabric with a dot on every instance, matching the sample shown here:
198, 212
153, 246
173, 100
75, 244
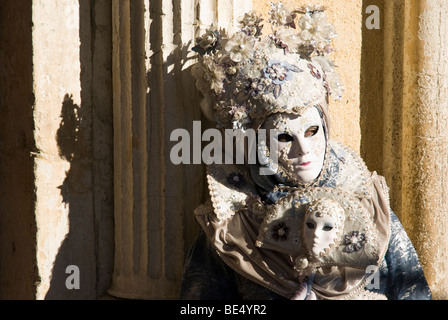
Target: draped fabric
207, 277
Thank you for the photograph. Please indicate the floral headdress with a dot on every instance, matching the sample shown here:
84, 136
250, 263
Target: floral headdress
246, 77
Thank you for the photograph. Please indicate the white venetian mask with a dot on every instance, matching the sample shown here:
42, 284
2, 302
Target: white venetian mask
322, 226
301, 143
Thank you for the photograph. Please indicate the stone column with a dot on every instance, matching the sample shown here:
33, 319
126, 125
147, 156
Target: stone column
425, 138
154, 94
407, 105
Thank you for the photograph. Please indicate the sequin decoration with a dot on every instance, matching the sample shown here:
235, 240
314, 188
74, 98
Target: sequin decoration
354, 241
237, 180
280, 232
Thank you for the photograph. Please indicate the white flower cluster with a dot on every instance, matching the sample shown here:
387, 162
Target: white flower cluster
312, 31
239, 47
315, 31
251, 24
238, 66
209, 76
280, 15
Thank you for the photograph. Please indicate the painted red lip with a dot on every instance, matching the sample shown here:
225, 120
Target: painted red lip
305, 164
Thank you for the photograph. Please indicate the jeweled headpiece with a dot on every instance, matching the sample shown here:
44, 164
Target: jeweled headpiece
246, 77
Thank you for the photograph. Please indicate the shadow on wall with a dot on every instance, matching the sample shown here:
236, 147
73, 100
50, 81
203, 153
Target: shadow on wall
371, 87
18, 274
185, 112
85, 140
78, 247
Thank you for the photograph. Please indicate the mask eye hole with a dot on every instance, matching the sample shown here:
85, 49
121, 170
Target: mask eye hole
312, 131
310, 225
284, 137
327, 228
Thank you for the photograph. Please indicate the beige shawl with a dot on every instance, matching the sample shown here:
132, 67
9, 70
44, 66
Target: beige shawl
242, 229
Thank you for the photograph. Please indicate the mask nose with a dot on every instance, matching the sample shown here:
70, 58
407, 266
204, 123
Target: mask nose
316, 235
299, 148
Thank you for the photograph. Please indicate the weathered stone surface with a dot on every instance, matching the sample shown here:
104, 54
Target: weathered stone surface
56, 162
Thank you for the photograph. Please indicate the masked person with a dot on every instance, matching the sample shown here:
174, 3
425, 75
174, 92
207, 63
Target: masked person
256, 239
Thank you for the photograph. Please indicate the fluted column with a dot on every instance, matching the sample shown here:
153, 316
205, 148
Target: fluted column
425, 143
153, 95
415, 128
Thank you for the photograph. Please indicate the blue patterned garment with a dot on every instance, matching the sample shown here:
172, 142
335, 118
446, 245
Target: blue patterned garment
401, 275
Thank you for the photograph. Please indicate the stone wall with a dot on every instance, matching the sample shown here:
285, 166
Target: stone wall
56, 137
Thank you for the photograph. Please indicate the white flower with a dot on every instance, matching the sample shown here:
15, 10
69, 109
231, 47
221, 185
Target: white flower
306, 36
231, 70
208, 40
289, 37
239, 47
240, 116
209, 76
250, 19
316, 31
279, 14
321, 26
305, 22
